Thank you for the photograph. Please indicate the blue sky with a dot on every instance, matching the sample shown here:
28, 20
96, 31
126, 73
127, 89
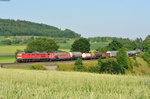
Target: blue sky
90, 18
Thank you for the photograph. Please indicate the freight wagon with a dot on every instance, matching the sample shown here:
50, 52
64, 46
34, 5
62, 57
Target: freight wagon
75, 55
59, 56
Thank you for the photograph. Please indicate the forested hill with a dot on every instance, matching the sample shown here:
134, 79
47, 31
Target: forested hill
25, 28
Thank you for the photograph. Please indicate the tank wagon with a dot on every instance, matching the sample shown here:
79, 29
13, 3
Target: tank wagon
75, 55
86, 56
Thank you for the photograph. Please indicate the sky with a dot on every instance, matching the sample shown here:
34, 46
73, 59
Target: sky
90, 18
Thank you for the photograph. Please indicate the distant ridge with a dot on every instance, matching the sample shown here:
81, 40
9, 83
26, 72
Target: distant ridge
9, 27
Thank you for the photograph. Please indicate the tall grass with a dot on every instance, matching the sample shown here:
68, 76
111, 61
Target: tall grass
23, 84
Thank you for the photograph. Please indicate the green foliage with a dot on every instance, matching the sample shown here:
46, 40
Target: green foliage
37, 67
26, 28
134, 57
78, 65
5, 42
130, 45
42, 45
139, 43
111, 66
103, 49
122, 58
81, 45
146, 43
115, 45
146, 57
130, 64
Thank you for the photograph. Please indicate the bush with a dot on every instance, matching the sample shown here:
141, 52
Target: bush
130, 64
122, 58
134, 57
111, 66
146, 57
78, 65
37, 67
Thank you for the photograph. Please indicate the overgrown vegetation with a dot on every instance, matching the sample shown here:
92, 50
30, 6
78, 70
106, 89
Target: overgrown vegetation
37, 67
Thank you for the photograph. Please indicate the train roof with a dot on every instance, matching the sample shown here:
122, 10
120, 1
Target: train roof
33, 52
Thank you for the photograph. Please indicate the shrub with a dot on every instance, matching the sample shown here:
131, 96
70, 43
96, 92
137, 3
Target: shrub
146, 57
134, 57
37, 67
122, 58
78, 65
130, 63
111, 66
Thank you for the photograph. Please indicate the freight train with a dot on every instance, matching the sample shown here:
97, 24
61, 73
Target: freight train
55, 56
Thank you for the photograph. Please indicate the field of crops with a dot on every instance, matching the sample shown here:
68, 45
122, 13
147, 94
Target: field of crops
29, 84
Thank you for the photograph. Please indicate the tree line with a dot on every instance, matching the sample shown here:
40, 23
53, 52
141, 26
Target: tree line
25, 28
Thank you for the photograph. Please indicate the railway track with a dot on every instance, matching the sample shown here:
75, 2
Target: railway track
51, 62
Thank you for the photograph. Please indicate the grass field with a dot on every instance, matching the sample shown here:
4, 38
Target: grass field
29, 84
7, 53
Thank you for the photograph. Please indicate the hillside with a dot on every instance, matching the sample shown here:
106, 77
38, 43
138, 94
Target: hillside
25, 28
25, 84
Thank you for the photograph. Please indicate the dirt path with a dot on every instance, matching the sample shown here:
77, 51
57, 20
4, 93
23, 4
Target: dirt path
51, 68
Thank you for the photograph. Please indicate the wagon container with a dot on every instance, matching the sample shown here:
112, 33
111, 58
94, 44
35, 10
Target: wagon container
112, 53
104, 55
59, 56
75, 55
86, 56
95, 54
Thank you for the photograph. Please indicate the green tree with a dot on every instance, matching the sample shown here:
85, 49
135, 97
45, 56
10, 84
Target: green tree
81, 45
139, 43
130, 45
146, 43
115, 45
103, 49
6, 42
42, 45
78, 65
122, 58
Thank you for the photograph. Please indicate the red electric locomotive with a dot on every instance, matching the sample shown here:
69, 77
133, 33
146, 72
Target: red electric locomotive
32, 57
